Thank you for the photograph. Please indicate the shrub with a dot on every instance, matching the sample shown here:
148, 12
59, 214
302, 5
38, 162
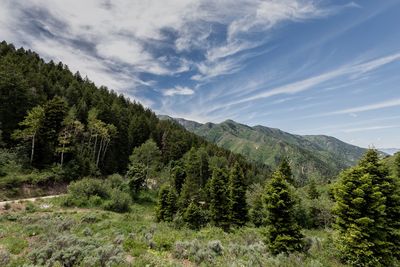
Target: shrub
118, 202
4, 257
196, 252
68, 250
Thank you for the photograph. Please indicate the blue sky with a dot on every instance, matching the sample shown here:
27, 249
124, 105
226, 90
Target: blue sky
304, 66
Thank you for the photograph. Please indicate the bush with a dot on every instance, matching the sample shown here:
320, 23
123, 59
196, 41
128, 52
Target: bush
4, 257
196, 252
68, 250
94, 193
118, 202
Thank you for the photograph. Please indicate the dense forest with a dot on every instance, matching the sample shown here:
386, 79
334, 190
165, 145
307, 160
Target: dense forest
55, 117
146, 192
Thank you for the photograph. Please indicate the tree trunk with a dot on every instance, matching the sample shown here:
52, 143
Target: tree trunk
62, 155
33, 147
98, 154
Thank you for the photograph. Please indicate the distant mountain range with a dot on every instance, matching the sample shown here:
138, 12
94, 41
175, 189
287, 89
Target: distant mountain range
389, 151
311, 156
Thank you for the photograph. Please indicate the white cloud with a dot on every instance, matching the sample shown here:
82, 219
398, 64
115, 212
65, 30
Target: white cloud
380, 105
371, 128
309, 83
178, 90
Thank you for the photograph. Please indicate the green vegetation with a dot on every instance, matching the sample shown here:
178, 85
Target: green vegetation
311, 157
368, 201
283, 232
145, 192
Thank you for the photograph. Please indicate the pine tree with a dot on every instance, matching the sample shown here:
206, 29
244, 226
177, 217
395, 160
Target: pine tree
178, 177
286, 171
312, 190
137, 177
167, 206
257, 212
237, 195
194, 216
283, 234
32, 123
219, 201
367, 212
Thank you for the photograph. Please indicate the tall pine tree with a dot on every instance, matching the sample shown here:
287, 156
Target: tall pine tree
219, 201
237, 195
284, 233
367, 212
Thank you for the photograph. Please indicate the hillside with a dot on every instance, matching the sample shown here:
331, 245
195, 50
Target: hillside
311, 156
58, 126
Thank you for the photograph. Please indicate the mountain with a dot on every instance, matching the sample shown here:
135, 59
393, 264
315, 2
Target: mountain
311, 156
389, 151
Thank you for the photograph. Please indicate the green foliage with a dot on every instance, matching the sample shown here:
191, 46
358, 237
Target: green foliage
237, 196
68, 250
178, 177
283, 234
219, 199
88, 130
286, 171
257, 212
367, 212
90, 192
319, 157
31, 123
194, 216
136, 176
118, 202
312, 190
149, 155
167, 204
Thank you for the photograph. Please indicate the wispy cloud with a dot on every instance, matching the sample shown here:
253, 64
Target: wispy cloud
312, 82
371, 128
375, 106
178, 90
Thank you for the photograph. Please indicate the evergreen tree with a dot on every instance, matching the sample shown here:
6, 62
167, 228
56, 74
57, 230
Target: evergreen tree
136, 176
178, 177
283, 234
257, 212
286, 171
367, 212
194, 216
32, 123
167, 206
312, 190
237, 195
219, 200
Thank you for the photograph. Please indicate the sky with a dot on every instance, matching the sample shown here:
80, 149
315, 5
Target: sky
304, 66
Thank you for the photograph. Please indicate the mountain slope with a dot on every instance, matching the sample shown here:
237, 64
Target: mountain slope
312, 156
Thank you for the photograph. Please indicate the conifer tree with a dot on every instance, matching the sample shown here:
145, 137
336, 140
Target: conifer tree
284, 233
367, 212
137, 177
167, 206
194, 216
237, 195
219, 201
286, 171
178, 177
257, 212
312, 190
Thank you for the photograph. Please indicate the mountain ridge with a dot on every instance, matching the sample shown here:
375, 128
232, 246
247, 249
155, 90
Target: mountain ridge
319, 157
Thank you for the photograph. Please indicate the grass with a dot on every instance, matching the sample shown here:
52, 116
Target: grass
94, 237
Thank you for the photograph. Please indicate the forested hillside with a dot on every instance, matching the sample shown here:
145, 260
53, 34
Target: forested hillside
51, 118
311, 157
